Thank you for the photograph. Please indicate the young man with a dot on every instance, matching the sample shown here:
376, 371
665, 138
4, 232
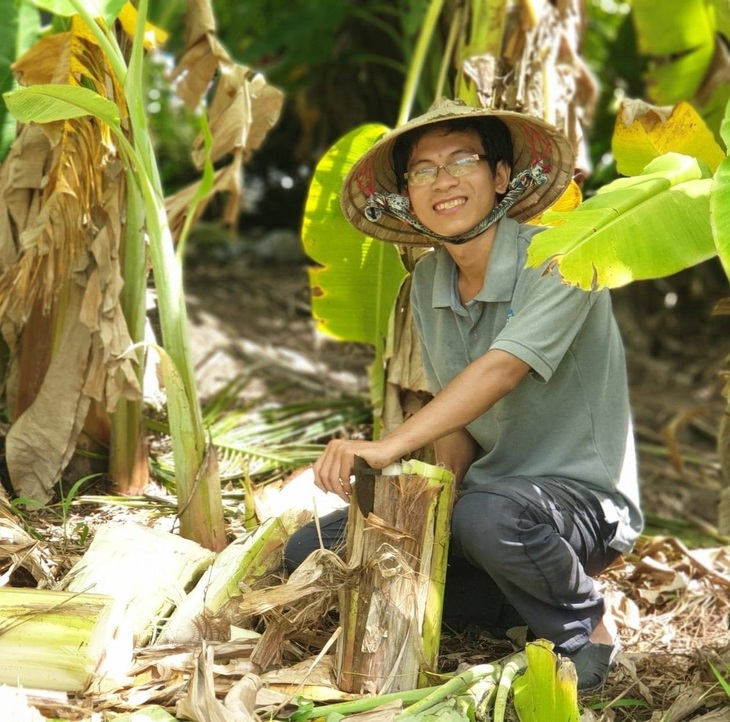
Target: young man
531, 405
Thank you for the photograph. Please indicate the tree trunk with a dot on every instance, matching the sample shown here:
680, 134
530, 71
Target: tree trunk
398, 534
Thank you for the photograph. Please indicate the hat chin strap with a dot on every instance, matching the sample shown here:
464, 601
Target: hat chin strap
399, 206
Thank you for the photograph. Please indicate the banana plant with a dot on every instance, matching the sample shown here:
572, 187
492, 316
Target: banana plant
668, 217
97, 110
55, 204
356, 284
197, 482
355, 289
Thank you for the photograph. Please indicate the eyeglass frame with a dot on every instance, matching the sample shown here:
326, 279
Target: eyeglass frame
445, 166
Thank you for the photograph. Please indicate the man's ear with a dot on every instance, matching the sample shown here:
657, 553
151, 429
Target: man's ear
502, 177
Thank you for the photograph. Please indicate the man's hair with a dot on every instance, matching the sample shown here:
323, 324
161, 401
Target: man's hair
494, 134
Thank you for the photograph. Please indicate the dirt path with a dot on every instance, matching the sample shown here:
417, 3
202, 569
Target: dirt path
256, 322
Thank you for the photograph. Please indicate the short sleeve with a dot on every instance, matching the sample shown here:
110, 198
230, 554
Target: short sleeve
544, 320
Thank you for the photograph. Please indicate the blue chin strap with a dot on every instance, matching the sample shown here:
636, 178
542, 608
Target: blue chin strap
398, 206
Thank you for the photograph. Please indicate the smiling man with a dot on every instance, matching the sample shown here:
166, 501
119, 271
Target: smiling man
530, 406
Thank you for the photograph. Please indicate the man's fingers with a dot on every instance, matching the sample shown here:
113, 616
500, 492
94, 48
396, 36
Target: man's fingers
345, 485
332, 470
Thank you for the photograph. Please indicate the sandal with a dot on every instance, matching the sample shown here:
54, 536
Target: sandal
593, 662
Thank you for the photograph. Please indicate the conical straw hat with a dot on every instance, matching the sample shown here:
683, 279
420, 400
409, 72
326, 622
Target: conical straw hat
533, 140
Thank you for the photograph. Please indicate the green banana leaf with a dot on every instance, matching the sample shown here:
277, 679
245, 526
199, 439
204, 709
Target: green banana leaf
18, 31
684, 32
720, 201
649, 226
356, 284
49, 103
108, 9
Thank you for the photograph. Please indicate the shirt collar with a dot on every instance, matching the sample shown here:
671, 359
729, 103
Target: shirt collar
501, 272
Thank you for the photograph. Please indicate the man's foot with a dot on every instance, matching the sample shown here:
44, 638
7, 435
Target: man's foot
593, 662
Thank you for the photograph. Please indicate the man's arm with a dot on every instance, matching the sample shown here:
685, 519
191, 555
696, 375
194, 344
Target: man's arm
456, 452
470, 394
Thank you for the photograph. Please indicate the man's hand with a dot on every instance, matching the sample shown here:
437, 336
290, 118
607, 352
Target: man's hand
333, 469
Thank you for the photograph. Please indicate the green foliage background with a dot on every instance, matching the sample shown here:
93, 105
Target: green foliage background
343, 63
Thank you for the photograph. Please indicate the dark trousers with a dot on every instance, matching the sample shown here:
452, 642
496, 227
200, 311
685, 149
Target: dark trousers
536, 541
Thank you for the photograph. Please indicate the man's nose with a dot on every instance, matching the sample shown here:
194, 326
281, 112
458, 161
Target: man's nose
444, 178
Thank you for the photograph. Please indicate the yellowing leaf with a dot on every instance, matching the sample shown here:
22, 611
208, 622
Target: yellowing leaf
40, 62
644, 132
569, 201
70, 238
154, 37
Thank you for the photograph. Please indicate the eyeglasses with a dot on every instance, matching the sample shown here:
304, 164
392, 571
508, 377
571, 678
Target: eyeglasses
426, 176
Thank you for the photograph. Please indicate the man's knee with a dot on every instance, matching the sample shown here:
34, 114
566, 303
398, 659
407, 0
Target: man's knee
481, 525
300, 545
303, 542
474, 524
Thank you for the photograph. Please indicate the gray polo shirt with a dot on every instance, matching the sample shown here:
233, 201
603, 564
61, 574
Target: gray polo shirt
570, 416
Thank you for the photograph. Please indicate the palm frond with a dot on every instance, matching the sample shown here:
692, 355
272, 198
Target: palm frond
264, 442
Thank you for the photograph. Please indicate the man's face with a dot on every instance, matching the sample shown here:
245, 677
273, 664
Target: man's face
453, 205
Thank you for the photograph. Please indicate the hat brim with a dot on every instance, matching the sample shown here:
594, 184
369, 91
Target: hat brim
532, 140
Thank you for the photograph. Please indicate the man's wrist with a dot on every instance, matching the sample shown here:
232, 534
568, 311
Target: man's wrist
395, 447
